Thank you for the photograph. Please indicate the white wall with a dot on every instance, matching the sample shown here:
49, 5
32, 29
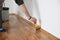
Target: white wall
36, 11
12, 6
50, 16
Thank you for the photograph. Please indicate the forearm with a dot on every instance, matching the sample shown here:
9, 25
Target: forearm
24, 9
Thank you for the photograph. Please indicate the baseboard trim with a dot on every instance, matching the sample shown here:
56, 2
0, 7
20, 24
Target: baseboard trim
49, 34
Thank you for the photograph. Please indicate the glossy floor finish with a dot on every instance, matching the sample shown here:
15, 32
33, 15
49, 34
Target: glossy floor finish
20, 29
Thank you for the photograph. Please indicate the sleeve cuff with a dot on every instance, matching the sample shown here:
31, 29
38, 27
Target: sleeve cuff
19, 2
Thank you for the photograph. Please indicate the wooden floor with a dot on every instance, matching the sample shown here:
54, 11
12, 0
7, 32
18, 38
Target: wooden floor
20, 29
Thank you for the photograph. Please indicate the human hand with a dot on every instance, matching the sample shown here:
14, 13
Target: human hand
34, 20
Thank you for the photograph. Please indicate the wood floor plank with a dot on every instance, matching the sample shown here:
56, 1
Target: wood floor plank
21, 29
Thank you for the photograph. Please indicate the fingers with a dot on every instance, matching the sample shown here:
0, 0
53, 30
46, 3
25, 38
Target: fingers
34, 20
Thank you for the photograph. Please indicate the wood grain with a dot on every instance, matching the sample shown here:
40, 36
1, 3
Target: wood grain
21, 29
